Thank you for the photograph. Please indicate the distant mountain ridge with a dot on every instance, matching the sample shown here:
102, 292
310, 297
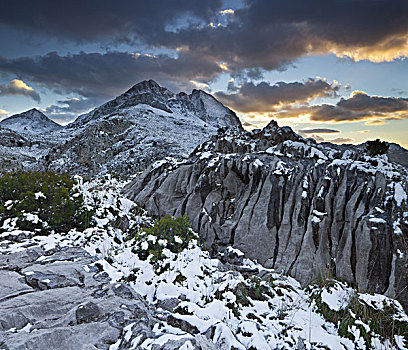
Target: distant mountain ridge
148, 92
146, 123
31, 122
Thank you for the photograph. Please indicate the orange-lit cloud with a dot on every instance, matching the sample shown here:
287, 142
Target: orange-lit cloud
201, 86
388, 50
359, 107
18, 87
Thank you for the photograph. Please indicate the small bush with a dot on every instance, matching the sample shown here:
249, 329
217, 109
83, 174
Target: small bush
42, 201
381, 321
253, 288
377, 147
169, 233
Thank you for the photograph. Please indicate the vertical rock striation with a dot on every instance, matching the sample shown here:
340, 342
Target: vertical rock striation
295, 206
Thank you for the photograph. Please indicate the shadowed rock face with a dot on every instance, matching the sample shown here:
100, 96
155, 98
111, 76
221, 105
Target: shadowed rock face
12, 147
296, 206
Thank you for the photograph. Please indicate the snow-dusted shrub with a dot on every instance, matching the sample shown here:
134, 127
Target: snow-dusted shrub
353, 312
42, 202
167, 234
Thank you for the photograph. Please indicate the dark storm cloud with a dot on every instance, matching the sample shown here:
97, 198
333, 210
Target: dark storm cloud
271, 34
98, 77
67, 110
267, 34
361, 102
359, 107
19, 87
319, 131
89, 20
107, 75
265, 97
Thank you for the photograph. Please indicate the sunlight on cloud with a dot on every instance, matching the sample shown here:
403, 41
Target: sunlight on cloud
199, 85
214, 25
137, 55
227, 12
389, 50
340, 140
375, 122
223, 66
20, 85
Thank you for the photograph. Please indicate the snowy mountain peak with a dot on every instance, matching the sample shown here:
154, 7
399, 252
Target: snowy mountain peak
212, 111
146, 123
147, 91
31, 122
148, 86
198, 105
33, 113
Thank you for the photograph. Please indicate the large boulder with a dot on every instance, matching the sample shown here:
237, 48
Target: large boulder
295, 206
56, 300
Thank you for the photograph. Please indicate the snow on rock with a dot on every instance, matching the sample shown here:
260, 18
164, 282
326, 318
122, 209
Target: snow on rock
198, 299
337, 297
32, 122
399, 194
145, 124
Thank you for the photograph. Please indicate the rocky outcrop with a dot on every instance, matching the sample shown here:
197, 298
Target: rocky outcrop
61, 299
12, 150
398, 154
295, 206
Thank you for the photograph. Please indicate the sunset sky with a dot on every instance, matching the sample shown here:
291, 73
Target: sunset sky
332, 69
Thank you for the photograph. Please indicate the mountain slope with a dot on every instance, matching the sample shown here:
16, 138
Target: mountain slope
145, 124
295, 206
398, 154
11, 146
31, 122
198, 104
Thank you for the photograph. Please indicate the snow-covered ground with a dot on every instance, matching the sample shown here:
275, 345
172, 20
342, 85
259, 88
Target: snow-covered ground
236, 306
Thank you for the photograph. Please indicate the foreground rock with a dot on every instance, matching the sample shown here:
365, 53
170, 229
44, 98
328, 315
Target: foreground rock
293, 205
60, 299
95, 289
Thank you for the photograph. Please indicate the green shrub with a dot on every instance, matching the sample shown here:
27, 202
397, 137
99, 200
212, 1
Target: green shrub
169, 233
49, 196
376, 147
